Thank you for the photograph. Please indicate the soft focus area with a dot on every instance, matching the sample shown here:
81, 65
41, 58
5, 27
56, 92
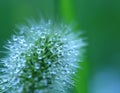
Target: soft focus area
99, 22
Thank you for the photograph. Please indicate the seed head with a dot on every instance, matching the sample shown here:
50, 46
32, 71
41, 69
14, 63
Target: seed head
41, 58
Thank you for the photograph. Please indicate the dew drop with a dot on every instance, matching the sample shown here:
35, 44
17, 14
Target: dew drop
29, 76
68, 72
5, 80
14, 38
3, 87
39, 57
18, 65
49, 63
64, 83
37, 66
38, 51
16, 71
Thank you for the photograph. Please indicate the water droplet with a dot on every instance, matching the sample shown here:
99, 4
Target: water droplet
14, 38
16, 71
73, 72
38, 51
25, 45
39, 57
29, 54
49, 63
53, 73
18, 65
22, 32
3, 87
5, 80
37, 66
43, 35
64, 83
68, 72
29, 76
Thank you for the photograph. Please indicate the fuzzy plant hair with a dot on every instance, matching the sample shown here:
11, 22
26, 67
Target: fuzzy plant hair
41, 58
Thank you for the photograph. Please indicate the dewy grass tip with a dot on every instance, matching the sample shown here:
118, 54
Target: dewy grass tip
41, 58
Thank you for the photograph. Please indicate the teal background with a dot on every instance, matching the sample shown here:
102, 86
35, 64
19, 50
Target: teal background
98, 19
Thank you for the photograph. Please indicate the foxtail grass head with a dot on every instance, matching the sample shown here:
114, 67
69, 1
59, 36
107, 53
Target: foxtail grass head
41, 58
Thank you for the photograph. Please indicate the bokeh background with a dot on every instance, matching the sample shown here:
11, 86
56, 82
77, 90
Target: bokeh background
99, 20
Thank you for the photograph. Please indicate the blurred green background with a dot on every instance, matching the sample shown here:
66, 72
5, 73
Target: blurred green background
98, 19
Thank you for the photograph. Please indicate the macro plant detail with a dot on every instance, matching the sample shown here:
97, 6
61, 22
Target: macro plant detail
41, 58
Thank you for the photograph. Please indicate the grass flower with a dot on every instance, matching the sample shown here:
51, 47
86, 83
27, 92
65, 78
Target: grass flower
41, 58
